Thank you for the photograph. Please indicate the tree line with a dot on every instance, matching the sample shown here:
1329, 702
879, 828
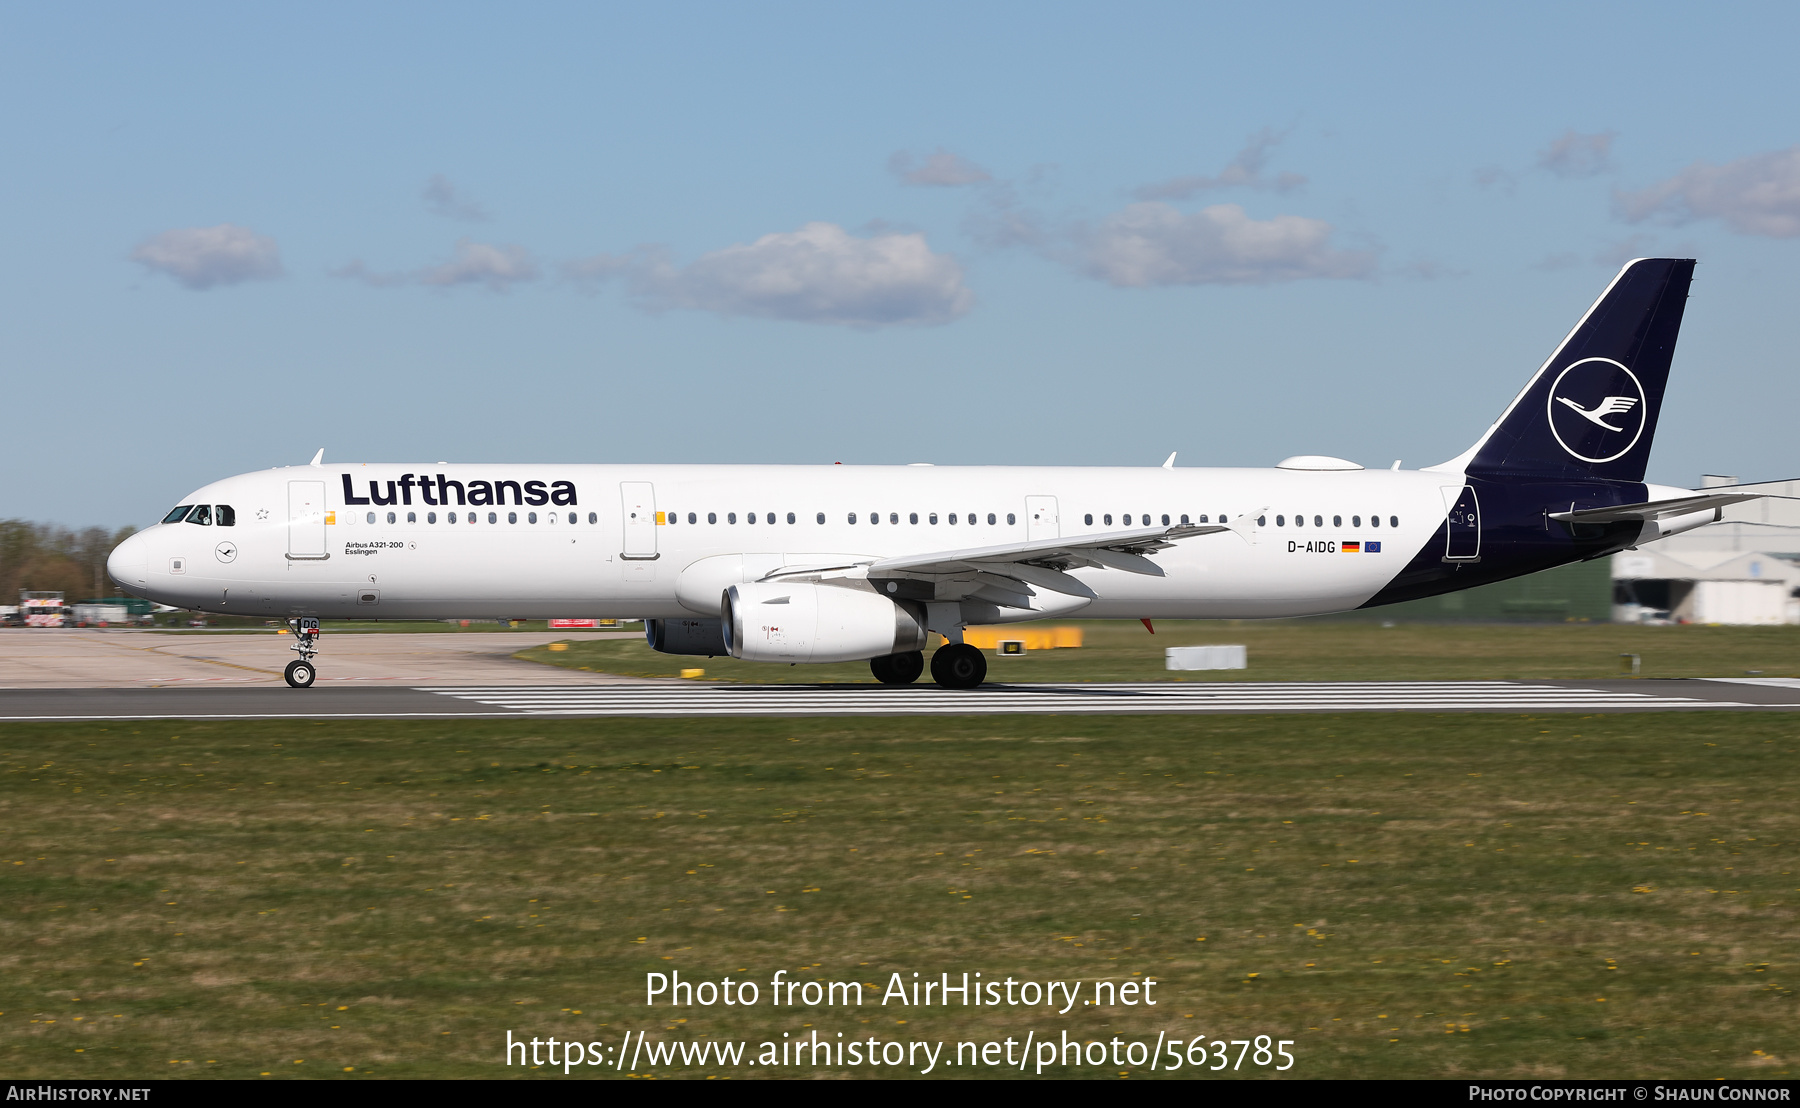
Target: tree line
45, 556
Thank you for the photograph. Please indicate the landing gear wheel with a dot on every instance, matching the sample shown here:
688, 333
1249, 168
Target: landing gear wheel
959, 666
898, 669
300, 674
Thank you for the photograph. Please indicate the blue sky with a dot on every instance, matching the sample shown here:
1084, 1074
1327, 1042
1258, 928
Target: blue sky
1038, 233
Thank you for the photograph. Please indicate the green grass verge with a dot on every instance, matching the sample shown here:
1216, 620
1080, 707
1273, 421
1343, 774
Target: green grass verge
1298, 651
1403, 895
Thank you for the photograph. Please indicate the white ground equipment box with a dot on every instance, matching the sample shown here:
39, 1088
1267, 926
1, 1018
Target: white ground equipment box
1207, 657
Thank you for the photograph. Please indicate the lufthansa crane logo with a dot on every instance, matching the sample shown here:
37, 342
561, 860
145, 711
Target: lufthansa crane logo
1596, 410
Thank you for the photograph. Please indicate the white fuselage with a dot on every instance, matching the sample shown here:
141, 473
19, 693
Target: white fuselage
617, 541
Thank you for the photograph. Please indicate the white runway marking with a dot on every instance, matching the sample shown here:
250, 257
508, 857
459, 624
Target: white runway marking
1285, 696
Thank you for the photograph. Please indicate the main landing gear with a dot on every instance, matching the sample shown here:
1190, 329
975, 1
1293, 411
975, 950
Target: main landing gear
301, 673
898, 669
955, 666
958, 666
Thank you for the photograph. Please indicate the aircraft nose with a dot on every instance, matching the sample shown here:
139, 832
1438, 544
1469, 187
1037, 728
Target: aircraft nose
129, 563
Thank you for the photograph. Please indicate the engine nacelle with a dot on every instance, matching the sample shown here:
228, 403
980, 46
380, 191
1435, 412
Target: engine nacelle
769, 621
687, 636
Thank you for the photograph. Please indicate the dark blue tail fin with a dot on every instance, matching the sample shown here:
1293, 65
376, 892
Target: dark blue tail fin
1591, 410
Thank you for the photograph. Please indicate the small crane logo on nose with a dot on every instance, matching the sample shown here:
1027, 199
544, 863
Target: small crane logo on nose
226, 551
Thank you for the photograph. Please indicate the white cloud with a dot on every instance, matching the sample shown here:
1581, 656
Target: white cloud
1578, 155
499, 267
480, 263
818, 274
1151, 243
1757, 195
941, 169
202, 257
445, 199
1245, 171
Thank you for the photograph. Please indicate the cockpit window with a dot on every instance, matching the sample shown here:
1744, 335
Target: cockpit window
225, 515
175, 515
202, 514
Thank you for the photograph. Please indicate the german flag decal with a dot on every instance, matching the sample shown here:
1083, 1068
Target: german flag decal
1351, 548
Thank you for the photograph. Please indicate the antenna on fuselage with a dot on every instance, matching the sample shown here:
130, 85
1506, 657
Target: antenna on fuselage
318, 459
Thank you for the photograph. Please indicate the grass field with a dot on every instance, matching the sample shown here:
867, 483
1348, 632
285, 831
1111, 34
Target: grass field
1297, 650
1402, 895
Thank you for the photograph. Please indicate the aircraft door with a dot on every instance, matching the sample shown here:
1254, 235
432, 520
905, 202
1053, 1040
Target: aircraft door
1040, 518
1463, 519
638, 499
306, 521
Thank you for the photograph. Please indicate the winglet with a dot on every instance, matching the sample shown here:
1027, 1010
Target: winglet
318, 459
1170, 462
1147, 626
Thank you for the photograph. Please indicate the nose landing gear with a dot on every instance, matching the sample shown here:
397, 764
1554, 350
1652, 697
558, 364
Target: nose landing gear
301, 673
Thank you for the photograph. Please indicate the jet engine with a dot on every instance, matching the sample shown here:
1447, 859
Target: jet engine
772, 621
686, 636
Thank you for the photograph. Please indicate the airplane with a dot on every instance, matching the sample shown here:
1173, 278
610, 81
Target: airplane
835, 563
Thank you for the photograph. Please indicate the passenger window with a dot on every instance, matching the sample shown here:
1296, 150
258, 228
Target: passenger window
990, 519
790, 517
1318, 521
874, 517
730, 517
593, 517
913, 517
1374, 521
750, 518
953, 519
430, 517
571, 517
225, 515
932, 519
175, 514
1088, 519
1166, 519
1356, 521
202, 514
821, 517
692, 518
1009, 519
1107, 520
1281, 521
1184, 519
1222, 519
852, 517
494, 517
370, 518
531, 517
413, 517
1262, 521
392, 518
1393, 521
512, 517
712, 517
894, 517
1337, 521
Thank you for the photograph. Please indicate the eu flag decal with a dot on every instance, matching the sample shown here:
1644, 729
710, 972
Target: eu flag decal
1372, 547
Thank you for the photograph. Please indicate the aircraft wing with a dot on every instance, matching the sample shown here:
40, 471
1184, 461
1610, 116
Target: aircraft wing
1656, 509
1041, 562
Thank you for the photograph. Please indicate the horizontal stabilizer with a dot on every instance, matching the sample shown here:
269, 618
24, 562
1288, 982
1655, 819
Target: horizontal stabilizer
1656, 509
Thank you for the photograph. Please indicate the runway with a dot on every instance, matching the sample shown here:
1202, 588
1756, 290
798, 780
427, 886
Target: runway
649, 699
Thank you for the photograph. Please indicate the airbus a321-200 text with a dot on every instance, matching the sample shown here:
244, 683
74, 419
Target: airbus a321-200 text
843, 563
